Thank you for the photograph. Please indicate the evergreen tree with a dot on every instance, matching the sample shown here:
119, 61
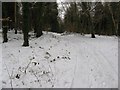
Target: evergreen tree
118, 19
87, 19
5, 23
38, 18
8, 9
52, 16
17, 14
114, 9
98, 18
108, 24
12, 11
26, 11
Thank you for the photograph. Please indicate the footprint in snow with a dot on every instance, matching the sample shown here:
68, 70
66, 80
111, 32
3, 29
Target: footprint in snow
19, 50
47, 53
58, 57
3, 82
31, 47
35, 63
46, 57
52, 60
41, 47
18, 76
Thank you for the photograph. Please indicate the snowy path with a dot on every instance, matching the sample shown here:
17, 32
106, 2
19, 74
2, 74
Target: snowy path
94, 63
94, 67
68, 61
0, 59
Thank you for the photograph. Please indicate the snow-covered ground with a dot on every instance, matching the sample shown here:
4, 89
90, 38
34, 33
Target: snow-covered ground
60, 61
0, 60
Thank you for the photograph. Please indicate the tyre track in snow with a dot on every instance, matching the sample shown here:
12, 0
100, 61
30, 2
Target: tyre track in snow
109, 72
78, 70
82, 65
110, 75
75, 67
105, 66
101, 55
97, 56
81, 59
1, 64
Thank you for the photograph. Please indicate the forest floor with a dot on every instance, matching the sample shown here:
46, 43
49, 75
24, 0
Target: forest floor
0, 60
60, 61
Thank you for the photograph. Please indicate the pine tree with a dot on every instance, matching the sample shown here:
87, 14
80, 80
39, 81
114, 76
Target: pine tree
118, 26
108, 20
98, 18
9, 10
37, 18
5, 21
53, 16
16, 18
114, 9
87, 19
25, 10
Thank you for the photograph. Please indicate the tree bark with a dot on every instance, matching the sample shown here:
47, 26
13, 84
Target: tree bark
92, 35
25, 23
5, 39
26, 42
15, 19
5, 29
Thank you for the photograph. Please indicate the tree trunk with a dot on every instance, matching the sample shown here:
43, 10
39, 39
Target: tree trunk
5, 39
119, 28
92, 35
15, 19
5, 26
38, 33
54, 25
25, 23
38, 27
26, 42
15, 31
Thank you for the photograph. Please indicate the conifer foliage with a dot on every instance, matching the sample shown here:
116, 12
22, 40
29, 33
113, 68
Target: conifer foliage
102, 18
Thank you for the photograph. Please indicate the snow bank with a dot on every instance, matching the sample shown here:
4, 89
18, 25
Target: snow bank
0, 60
60, 61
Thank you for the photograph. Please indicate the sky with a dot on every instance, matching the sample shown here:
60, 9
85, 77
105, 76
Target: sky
60, 8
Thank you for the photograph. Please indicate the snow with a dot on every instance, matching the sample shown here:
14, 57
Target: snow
60, 61
0, 59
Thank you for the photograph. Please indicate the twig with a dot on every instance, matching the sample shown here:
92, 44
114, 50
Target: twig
9, 76
51, 72
27, 66
91, 9
11, 79
37, 78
